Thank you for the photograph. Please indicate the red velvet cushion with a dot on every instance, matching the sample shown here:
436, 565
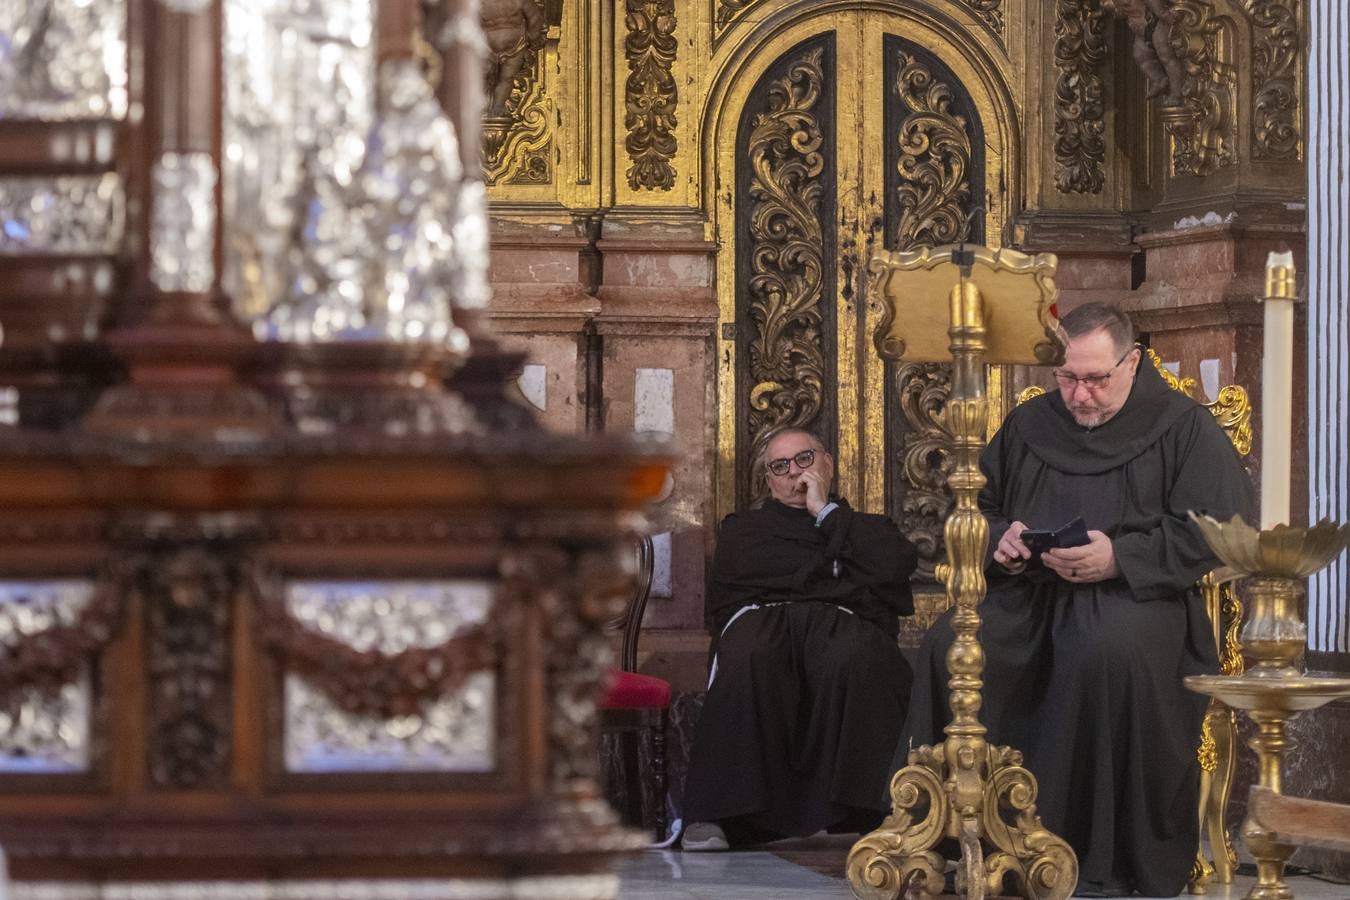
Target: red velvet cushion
629, 690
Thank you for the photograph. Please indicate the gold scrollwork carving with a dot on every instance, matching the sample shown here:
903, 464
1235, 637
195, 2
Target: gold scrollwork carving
1040, 862
894, 861
1028, 393
1232, 409
1275, 51
934, 193
926, 458
1183, 385
650, 94
1080, 48
1208, 754
1201, 125
893, 858
934, 164
786, 356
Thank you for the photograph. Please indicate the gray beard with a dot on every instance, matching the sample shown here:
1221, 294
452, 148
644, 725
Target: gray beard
1090, 422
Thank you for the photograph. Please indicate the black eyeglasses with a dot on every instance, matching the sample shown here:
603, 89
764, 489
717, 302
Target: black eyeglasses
803, 460
1068, 381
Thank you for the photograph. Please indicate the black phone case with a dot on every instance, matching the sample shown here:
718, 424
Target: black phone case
1071, 534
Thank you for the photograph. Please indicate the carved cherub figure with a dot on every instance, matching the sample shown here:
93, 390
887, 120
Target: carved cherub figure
1151, 23
513, 28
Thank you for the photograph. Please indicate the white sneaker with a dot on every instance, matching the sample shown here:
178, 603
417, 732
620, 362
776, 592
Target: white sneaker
701, 837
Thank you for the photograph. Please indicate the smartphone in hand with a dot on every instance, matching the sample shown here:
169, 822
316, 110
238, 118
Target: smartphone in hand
1071, 534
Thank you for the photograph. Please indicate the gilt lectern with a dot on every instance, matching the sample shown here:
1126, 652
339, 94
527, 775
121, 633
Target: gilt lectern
972, 306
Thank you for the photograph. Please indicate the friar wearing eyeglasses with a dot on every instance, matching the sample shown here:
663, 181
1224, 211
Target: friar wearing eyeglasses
1086, 646
807, 688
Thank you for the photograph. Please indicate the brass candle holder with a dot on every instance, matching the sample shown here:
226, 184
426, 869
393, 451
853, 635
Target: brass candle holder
1274, 688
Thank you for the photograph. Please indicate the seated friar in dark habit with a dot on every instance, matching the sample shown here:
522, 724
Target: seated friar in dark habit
807, 687
1086, 646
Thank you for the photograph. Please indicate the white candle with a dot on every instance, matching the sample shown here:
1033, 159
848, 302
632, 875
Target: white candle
1277, 389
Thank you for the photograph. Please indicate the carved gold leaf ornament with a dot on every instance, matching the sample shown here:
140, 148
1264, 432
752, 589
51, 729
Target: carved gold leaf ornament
1275, 50
1184, 385
786, 354
1232, 409
650, 94
1080, 49
925, 458
934, 164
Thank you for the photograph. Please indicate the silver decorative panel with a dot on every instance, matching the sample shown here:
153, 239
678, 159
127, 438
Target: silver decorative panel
63, 59
43, 734
455, 733
77, 215
183, 226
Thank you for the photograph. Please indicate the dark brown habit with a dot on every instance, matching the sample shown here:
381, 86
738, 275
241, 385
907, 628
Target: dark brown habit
809, 692
1086, 679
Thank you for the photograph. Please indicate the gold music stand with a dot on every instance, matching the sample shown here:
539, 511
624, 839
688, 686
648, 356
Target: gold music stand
998, 310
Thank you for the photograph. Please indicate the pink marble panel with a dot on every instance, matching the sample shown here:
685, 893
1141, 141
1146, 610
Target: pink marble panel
647, 268
564, 377
534, 265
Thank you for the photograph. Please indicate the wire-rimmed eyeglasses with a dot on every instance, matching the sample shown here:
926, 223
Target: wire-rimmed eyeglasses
1068, 381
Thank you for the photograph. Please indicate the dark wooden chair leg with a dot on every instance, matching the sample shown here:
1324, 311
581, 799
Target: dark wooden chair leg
659, 772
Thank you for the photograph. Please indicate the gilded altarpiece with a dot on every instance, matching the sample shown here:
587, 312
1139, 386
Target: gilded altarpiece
778, 143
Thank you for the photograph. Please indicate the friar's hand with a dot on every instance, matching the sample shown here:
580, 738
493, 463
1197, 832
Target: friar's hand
1011, 553
816, 485
1094, 561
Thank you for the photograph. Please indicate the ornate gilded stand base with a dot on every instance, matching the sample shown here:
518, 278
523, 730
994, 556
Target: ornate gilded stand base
899, 856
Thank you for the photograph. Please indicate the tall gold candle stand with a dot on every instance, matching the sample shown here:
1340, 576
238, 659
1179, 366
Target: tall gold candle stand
1274, 688
998, 311
1273, 560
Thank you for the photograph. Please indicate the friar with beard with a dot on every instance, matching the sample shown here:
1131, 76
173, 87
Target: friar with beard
1086, 647
807, 688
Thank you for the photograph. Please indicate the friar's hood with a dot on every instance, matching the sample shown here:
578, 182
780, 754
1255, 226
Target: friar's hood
1050, 432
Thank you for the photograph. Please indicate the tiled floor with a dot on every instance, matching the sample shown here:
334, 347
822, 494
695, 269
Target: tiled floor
762, 875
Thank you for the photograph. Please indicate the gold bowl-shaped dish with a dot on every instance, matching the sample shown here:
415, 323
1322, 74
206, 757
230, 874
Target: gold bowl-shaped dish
1280, 552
